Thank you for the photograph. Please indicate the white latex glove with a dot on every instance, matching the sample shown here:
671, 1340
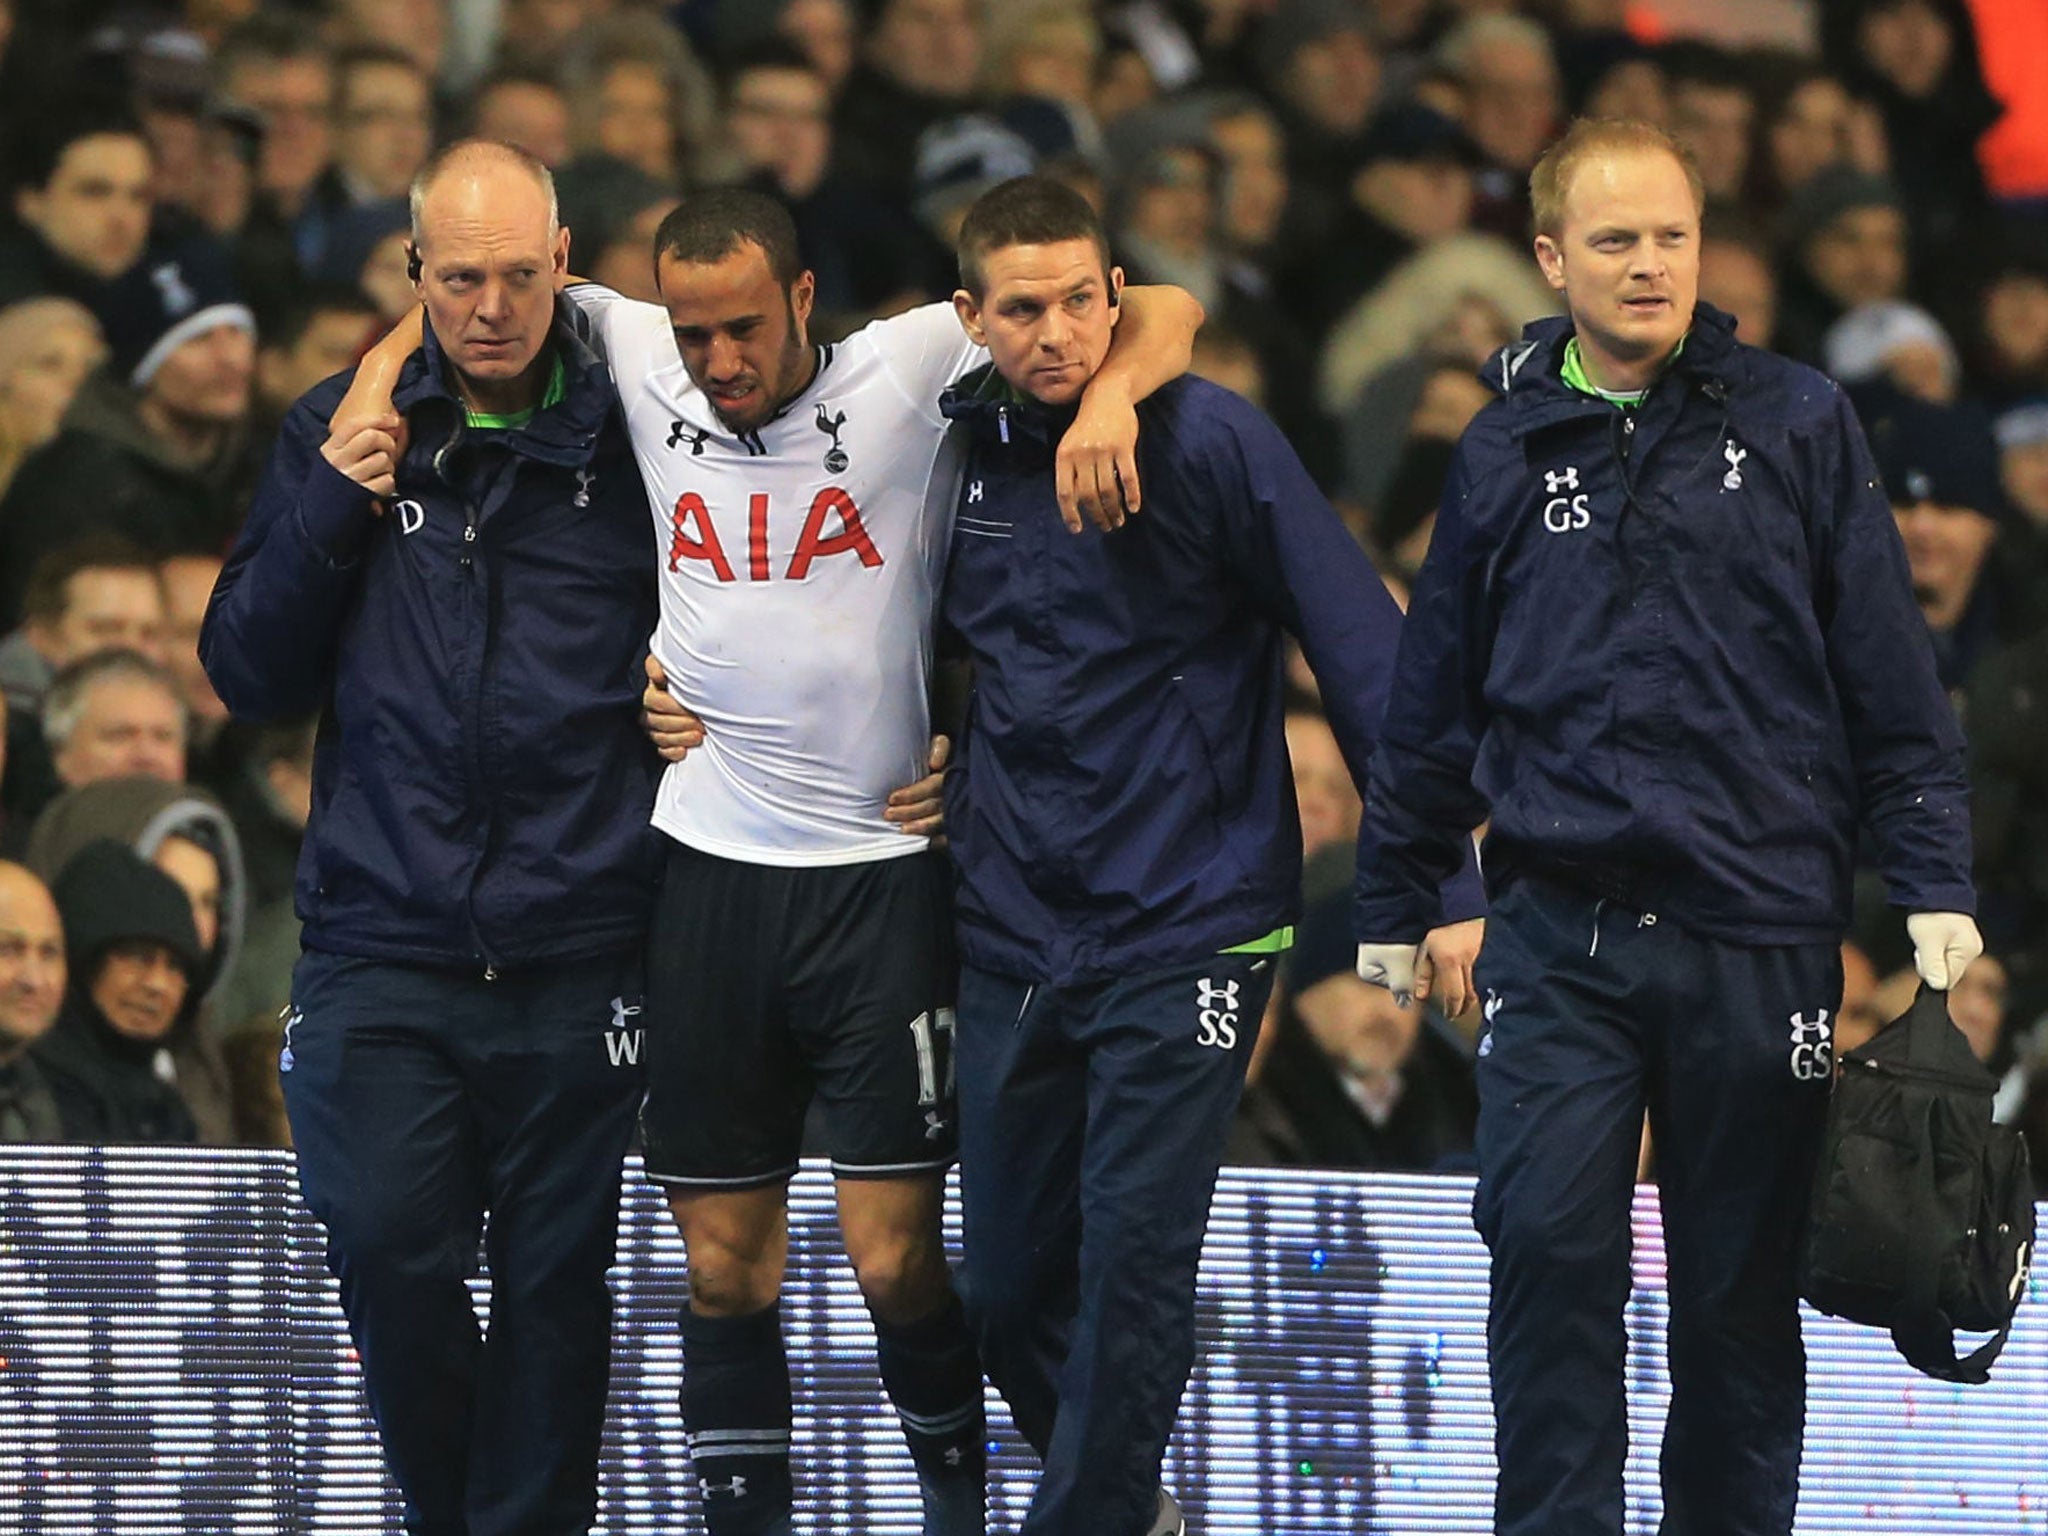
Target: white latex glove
1391, 966
1944, 944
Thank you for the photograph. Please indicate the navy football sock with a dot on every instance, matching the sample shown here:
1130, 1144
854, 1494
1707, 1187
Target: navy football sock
736, 1415
933, 1378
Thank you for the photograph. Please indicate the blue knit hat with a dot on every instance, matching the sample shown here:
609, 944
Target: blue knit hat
177, 291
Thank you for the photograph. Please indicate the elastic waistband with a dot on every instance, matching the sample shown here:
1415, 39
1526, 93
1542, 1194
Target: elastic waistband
1632, 886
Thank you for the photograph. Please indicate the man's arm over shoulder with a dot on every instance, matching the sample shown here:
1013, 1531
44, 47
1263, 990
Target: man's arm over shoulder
270, 630
1420, 804
1153, 344
1903, 737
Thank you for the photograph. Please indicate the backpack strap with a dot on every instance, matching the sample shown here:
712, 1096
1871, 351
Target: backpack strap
1930, 1348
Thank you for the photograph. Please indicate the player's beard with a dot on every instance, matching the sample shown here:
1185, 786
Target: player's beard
793, 373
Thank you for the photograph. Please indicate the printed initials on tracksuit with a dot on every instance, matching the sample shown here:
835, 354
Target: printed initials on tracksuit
1813, 1046
1216, 1014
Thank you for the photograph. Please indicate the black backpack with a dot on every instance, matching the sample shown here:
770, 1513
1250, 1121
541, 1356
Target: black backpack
1923, 1210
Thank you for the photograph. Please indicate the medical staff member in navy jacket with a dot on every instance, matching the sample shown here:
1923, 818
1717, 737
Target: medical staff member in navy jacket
477, 874
1123, 823
1664, 640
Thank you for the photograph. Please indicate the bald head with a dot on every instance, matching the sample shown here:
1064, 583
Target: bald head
31, 959
490, 251
486, 169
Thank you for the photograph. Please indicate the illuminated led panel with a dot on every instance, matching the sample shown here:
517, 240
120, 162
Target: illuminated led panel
172, 1361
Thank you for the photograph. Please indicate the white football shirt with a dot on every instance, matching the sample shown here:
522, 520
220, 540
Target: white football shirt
800, 566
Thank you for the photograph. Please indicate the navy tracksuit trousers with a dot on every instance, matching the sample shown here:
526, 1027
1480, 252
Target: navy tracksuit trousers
1596, 1013
1092, 1123
420, 1100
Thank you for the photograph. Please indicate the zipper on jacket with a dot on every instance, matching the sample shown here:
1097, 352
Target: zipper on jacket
481, 595
1003, 422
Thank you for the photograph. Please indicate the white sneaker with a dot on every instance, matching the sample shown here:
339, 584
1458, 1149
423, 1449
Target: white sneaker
1169, 1521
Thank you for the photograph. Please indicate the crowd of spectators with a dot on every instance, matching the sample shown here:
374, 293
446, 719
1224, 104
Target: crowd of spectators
205, 215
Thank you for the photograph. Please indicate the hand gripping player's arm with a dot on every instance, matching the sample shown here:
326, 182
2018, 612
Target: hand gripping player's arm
1096, 469
367, 408
918, 810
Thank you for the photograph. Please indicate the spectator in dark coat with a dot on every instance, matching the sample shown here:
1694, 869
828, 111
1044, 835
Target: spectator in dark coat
1354, 1079
1411, 184
2006, 711
31, 991
182, 831
77, 221
133, 954
157, 447
1940, 469
1916, 60
918, 67
1846, 244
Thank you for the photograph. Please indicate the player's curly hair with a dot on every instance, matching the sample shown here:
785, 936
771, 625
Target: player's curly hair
708, 226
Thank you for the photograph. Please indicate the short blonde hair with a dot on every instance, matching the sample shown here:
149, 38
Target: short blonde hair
1589, 138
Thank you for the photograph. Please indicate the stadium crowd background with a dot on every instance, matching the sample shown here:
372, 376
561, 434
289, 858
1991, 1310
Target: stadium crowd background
205, 216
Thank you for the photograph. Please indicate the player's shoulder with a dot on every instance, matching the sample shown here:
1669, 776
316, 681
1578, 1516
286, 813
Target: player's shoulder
594, 297
918, 325
900, 361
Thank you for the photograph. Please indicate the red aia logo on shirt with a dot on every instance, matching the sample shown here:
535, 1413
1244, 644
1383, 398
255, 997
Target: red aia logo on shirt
692, 536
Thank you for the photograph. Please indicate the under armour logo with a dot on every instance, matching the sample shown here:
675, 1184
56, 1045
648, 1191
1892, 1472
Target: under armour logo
1556, 480
622, 1042
1209, 995
973, 492
734, 1487
290, 1015
1732, 481
177, 294
835, 456
934, 1125
953, 1456
678, 430
1813, 1052
584, 477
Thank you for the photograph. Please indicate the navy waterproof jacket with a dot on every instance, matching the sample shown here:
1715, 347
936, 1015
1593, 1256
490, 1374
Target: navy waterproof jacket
1123, 800
481, 787
1673, 653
